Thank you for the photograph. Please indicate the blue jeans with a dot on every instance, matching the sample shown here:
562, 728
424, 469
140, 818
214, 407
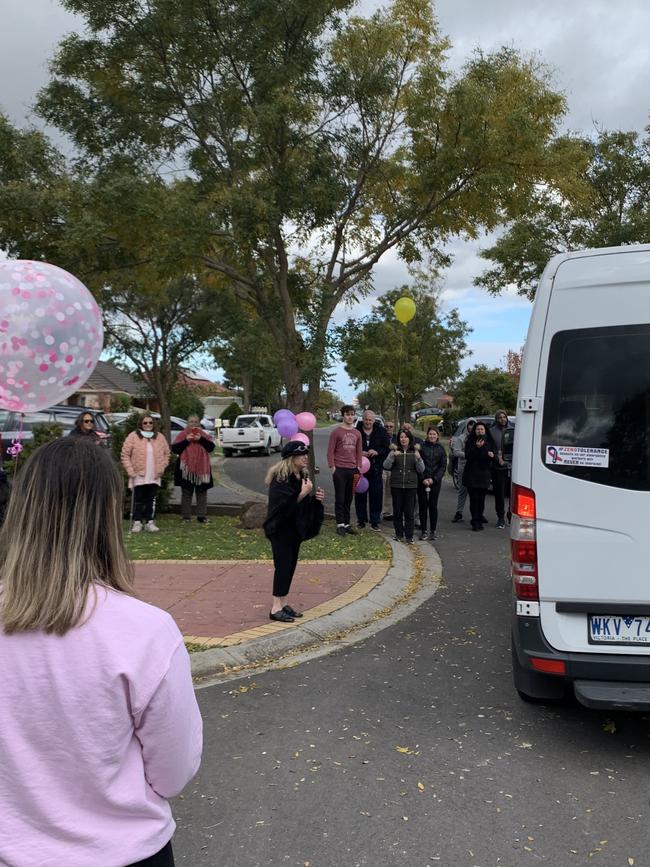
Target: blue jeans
374, 494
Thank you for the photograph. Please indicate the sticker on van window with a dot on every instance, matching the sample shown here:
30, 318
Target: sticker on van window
577, 456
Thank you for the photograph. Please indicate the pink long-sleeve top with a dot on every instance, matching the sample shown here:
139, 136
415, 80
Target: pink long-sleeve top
97, 729
344, 448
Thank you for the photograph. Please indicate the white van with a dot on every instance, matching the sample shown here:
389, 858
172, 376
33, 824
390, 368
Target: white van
580, 533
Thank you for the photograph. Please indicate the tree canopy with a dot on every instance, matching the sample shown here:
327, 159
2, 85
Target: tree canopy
392, 359
484, 390
609, 206
288, 146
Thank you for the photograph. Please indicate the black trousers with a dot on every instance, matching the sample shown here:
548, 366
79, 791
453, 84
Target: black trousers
286, 548
428, 506
164, 858
144, 497
403, 511
500, 487
343, 483
476, 504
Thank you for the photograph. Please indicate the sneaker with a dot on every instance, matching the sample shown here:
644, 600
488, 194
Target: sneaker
409, 541
351, 531
457, 517
137, 527
375, 527
500, 525
202, 520
432, 537
397, 539
151, 527
340, 530
423, 537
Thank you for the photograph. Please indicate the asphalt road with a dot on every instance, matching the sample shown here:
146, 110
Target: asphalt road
412, 748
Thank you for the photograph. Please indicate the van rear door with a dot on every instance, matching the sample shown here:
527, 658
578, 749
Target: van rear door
591, 456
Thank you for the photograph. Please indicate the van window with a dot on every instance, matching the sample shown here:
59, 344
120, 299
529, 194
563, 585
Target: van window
597, 397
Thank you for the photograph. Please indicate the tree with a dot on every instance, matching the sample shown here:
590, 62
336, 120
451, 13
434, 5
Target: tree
609, 206
307, 143
484, 390
403, 360
158, 331
512, 364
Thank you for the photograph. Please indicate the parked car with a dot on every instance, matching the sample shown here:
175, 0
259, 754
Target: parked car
426, 410
11, 423
250, 433
456, 439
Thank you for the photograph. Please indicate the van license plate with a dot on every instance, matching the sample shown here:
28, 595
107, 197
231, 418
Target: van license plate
609, 629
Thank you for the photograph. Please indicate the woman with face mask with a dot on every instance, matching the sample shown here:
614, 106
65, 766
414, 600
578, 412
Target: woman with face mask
145, 455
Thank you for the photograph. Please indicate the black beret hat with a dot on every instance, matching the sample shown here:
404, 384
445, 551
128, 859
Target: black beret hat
294, 448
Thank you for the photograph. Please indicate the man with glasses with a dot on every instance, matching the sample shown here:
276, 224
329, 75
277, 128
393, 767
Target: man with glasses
499, 468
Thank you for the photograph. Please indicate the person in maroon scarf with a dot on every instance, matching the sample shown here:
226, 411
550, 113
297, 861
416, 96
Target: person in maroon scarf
193, 473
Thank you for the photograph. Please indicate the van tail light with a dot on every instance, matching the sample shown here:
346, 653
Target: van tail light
523, 544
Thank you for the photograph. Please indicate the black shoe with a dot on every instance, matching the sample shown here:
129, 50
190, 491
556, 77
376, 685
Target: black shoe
397, 538
292, 611
500, 525
423, 537
361, 525
457, 517
281, 616
409, 541
432, 537
202, 520
350, 531
340, 530
375, 527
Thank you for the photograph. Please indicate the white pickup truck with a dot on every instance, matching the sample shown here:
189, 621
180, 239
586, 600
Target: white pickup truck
250, 433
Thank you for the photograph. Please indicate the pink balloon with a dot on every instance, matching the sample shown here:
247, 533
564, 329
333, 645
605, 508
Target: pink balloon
287, 427
306, 420
365, 465
362, 485
301, 438
51, 335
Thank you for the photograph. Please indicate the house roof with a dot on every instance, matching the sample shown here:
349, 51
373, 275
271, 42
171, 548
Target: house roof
107, 377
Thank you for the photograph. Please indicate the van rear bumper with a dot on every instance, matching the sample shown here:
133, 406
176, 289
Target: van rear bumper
599, 679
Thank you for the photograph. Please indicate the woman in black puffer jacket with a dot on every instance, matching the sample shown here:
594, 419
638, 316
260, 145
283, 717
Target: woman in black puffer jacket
430, 482
404, 463
476, 475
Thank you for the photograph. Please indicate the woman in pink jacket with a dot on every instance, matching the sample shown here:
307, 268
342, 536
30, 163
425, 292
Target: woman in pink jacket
145, 455
99, 724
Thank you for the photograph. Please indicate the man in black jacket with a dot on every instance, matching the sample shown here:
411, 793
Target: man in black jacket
499, 468
375, 443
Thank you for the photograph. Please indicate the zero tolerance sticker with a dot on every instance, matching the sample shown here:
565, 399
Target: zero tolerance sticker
577, 456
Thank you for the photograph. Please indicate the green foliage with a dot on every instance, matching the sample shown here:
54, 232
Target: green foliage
43, 433
184, 402
290, 126
484, 390
231, 412
609, 205
450, 421
120, 403
385, 354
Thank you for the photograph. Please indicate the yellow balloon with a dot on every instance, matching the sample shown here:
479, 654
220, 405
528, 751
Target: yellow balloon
404, 309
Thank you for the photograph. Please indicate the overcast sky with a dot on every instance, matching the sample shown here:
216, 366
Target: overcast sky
598, 50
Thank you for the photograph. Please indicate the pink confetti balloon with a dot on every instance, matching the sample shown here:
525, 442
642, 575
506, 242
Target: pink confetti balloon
51, 335
301, 438
362, 485
306, 421
365, 465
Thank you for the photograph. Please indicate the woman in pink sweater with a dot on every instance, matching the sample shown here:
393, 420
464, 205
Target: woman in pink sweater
145, 455
99, 725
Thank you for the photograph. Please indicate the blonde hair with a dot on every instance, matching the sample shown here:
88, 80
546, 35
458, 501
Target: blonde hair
282, 470
62, 534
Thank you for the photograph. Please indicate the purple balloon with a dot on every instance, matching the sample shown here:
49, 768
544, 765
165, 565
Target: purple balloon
362, 485
282, 413
287, 427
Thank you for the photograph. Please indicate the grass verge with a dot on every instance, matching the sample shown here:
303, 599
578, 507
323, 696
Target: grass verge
223, 539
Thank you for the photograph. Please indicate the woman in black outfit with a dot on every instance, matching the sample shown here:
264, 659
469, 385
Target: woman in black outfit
404, 463
476, 475
430, 482
293, 516
193, 472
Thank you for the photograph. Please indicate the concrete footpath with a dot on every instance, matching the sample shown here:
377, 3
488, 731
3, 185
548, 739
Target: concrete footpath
222, 606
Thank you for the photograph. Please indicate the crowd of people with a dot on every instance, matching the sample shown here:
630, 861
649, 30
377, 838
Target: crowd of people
405, 474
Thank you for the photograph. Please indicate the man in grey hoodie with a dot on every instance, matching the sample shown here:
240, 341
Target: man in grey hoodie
499, 468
